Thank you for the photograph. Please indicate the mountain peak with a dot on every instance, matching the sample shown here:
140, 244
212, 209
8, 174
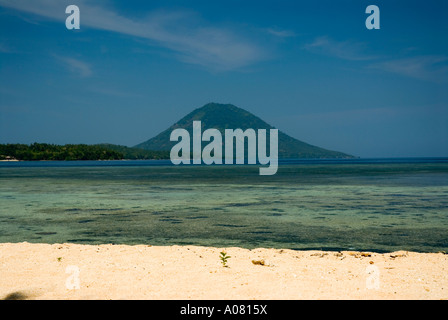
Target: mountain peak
228, 116
218, 105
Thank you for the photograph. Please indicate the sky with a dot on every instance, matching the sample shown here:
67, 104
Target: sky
310, 68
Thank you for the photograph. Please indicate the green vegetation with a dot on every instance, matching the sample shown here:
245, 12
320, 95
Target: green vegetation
44, 151
137, 154
224, 257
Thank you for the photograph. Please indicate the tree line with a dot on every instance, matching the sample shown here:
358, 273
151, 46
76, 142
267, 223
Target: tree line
45, 151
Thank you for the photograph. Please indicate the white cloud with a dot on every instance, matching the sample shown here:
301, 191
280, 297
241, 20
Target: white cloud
193, 41
76, 66
281, 33
347, 50
430, 68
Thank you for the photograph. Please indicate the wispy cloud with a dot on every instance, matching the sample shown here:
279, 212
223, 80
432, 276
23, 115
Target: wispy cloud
77, 67
4, 48
430, 68
281, 33
347, 50
184, 33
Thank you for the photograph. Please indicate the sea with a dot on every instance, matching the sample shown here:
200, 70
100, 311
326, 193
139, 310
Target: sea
379, 205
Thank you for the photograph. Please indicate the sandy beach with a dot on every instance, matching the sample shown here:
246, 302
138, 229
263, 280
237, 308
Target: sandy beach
72, 271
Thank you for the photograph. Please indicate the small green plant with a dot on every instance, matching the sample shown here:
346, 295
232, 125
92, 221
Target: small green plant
59, 259
224, 258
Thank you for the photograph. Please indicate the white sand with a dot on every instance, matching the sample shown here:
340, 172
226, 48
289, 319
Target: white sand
43, 271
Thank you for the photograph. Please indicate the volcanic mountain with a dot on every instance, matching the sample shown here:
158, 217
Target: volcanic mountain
227, 116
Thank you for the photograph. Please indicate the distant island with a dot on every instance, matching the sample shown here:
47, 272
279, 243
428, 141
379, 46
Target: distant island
228, 116
45, 151
212, 115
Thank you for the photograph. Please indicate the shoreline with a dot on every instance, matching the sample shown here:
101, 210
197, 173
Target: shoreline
65, 271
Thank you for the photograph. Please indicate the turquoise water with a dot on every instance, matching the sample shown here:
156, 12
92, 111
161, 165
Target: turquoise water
378, 205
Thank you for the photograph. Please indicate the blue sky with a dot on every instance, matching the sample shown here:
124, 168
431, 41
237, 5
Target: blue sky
310, 68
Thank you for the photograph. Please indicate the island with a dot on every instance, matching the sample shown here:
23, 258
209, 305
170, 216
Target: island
54, 152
